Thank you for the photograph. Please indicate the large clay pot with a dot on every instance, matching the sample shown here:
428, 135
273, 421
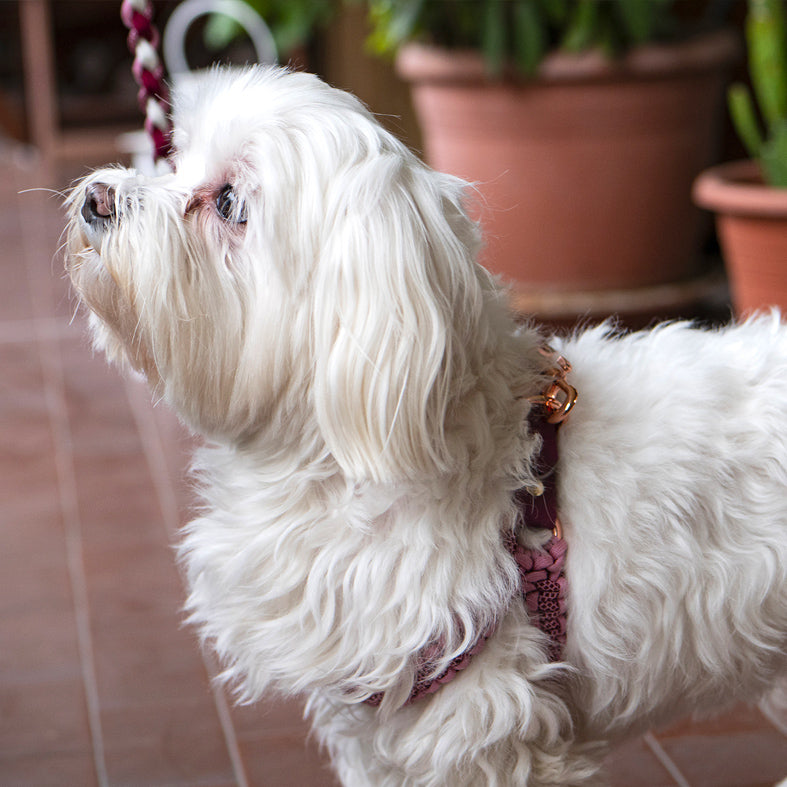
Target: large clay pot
584, 172
751, 221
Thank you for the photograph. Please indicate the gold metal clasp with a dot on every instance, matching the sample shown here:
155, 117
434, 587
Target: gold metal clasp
562, 367
558, 397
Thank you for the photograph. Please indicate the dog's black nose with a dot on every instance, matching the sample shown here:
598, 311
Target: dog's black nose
99, 203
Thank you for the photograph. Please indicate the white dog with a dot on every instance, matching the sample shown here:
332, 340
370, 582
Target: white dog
305, 293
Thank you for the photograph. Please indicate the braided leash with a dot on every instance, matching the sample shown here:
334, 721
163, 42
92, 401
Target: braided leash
148, 70
544, 587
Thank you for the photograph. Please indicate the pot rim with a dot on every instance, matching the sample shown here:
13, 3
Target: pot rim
425, 63
736, 188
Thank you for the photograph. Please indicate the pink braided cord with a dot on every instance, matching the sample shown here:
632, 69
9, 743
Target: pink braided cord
424, 684
148, 70
544, 589
543, 585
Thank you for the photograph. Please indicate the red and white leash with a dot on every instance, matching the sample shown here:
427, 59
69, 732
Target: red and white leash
153, 97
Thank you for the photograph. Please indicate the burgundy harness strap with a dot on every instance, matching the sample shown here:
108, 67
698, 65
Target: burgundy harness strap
541, 572
540, 512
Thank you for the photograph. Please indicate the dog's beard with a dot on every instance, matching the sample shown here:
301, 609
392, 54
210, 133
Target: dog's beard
166, 296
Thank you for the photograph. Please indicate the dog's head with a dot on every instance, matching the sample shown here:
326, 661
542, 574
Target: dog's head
299, 264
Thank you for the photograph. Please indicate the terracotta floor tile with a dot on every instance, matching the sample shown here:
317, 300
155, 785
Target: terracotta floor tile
50, 293
43, 716
140, 764
38, 644
270, 716
170, 446
35, 579
117, 496
117, 504
166, 743
101, 430
285, 760
130, 572
31, 515
48, 769
158, 720
737, 748
26, 464
145, 658
741, 718
15, 302
733, 759
11, 230
633, 764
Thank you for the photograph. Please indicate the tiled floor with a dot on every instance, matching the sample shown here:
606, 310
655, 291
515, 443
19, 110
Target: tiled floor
100, 683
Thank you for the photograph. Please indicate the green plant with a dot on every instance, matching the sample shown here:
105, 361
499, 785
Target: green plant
291, 22
518, 31
766, 41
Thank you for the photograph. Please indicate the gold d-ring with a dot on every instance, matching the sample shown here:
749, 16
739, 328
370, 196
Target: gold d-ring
558, 400
559, 397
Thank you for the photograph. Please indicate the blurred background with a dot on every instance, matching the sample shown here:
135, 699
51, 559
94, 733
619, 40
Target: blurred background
100, 681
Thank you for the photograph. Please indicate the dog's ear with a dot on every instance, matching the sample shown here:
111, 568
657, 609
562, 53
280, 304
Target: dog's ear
396, 276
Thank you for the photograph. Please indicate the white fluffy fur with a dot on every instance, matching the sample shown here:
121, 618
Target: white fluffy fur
362, 389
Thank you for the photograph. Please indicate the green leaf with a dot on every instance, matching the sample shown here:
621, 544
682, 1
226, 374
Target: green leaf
556, 11
773, 158
404, 19
530, 36
744, 118
392, 23
493, 42
581, 33
767, 42
637, 18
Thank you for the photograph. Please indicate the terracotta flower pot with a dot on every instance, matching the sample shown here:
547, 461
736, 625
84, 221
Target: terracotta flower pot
584, 172
751, 220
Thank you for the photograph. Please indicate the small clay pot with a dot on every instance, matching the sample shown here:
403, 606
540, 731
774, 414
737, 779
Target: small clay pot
751, 221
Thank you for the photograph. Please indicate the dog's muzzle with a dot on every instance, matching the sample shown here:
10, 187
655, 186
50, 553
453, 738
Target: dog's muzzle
99, 205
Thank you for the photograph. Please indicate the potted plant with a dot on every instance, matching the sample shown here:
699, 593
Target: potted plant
750, 197
582, 128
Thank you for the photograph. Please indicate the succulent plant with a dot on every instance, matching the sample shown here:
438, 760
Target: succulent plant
766, 40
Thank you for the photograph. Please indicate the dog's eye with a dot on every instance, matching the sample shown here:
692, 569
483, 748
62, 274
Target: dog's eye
230, 207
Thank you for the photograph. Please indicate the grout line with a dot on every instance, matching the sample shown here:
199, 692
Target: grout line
225, 717
73, 538
157, 465
658, 750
